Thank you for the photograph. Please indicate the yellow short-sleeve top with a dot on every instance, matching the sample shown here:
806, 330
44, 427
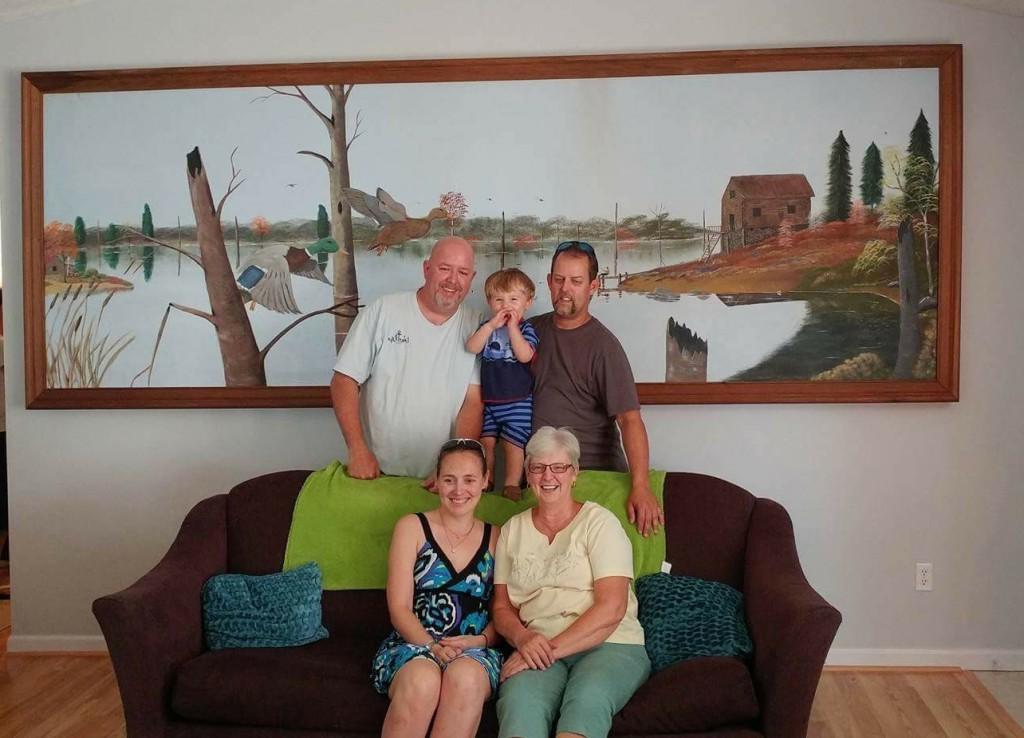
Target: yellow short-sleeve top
552, 584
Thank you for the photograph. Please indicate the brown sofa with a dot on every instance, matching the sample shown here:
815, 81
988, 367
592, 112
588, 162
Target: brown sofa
172, 686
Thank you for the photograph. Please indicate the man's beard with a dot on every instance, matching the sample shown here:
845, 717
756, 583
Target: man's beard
566, 309
447, 300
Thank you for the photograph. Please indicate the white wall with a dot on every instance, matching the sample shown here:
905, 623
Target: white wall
96, 496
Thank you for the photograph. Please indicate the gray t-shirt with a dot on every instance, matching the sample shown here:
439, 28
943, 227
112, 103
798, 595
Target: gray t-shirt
413, 376
583, 380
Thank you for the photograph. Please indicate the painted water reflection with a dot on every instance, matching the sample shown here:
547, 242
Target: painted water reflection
769, 337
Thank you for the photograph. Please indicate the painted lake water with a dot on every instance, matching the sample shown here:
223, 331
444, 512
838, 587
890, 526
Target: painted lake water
749, 337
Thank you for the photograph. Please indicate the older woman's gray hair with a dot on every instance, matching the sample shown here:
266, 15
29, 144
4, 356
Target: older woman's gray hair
548, 441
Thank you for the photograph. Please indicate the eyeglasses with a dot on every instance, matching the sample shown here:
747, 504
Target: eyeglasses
580, 245
555, 468
457, 443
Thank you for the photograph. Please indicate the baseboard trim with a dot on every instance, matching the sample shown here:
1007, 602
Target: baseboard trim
81, 645
968, 659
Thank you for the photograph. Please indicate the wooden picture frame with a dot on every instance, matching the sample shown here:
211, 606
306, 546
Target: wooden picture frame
945, 59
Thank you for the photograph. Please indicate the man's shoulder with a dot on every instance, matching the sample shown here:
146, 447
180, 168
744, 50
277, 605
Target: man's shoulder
470, 314
542, 322
393, 300
599, 329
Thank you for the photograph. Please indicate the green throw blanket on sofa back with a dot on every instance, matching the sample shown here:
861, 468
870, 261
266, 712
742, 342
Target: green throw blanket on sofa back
345, 524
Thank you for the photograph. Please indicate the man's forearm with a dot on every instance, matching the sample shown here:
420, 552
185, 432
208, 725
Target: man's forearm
635, 444
470, 420
345, 400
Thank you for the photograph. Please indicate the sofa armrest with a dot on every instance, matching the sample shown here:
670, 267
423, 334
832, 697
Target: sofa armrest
156, 624
791, 625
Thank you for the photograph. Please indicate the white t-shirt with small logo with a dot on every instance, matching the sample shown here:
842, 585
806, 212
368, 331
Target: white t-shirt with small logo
413, 377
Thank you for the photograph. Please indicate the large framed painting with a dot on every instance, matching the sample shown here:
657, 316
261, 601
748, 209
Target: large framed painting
771, 225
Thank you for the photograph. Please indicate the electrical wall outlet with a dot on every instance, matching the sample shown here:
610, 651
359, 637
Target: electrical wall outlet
923, 577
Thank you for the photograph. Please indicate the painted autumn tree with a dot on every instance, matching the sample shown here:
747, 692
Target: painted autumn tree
915, 176
455, 208
260, 227
871, 177
346, 289
840, 183
58, 242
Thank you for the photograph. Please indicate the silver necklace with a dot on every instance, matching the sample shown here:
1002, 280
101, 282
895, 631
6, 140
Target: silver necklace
459, 539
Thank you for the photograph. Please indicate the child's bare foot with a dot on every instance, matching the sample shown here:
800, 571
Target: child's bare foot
512, 492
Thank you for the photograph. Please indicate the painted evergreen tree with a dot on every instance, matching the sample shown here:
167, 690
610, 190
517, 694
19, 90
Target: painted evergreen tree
920, 168
921, 139
871, 177
80, 257
323, 230
840, 181
148, 251
111, 251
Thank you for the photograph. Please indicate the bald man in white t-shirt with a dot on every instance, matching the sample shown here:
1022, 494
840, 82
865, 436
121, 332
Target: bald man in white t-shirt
404, 382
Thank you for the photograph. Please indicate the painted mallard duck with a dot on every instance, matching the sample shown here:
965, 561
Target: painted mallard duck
396, 226
266, 276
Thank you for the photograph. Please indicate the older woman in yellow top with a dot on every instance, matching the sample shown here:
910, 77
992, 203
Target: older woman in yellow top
562, 599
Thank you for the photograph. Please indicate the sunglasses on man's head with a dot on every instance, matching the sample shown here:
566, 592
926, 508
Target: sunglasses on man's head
459, 443
581, 245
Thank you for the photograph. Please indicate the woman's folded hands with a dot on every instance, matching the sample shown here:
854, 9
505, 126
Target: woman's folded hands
533, 651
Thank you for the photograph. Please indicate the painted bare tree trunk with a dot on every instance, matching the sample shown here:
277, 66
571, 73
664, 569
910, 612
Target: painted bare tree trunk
243, 366
345, 285
910, 329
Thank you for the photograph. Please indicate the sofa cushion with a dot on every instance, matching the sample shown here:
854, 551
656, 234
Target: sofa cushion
686, 617
268, 611
321, 686
695, 695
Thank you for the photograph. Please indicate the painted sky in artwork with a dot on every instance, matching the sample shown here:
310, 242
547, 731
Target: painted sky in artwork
557, 147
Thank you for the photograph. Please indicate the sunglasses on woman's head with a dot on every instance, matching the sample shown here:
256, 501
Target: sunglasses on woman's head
457, 443
555, 468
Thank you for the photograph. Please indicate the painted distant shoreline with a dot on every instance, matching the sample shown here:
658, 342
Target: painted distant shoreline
771, 266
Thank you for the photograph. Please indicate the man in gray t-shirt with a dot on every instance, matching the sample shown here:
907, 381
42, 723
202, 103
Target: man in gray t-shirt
583, 380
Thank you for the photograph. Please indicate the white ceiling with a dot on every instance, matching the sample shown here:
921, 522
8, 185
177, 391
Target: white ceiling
11, 9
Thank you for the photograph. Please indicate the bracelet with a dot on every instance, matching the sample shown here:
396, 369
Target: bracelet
430, 644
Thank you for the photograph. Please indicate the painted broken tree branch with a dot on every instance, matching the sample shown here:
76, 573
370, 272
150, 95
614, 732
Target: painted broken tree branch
232, 185
148, 369
143, 236
333, 310
321, 157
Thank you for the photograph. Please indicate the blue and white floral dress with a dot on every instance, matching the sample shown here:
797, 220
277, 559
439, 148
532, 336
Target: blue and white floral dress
447, 603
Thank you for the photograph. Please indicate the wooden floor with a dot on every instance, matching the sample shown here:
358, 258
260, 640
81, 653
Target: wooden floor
76, 696
902, 702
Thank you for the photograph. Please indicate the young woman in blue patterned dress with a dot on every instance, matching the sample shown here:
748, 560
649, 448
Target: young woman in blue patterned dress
439, 662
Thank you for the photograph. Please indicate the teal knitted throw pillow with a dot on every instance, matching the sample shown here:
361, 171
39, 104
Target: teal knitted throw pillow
686, 617
275, 610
